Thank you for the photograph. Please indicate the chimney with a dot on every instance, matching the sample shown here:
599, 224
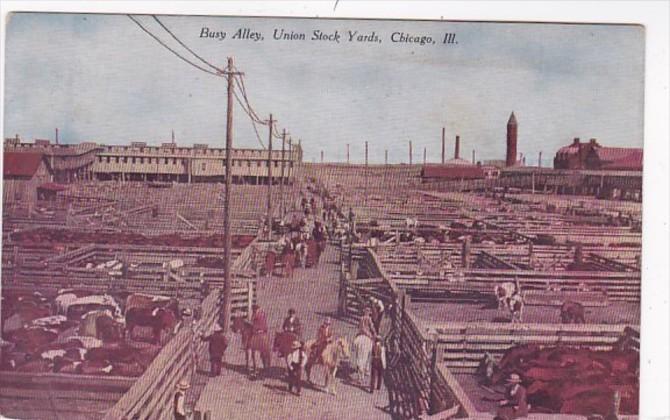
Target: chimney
575, 141
443, 142
539, 160
56, 135
473, 156
511, 141
173, 142
593, 142
457, 147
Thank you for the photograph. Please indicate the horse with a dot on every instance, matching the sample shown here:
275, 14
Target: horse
282, 343
330, 360
362, 350
572, 313
252, 343
504, 293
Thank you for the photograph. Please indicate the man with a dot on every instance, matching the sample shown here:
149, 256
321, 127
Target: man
292, 324
218, 343
179, 403
296, 361
514, 405
377, 312
324, 336
366, 326
378, 361
258, 320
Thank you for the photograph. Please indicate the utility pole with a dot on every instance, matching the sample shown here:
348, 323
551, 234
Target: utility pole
269, 216
227, 285
347, 153
366, 154
473, 156
281, 184
443, 144
410, 152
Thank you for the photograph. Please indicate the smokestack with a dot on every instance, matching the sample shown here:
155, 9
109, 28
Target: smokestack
173, 142
386, 156
56, 135
457, 148
410, 152
539, 160
347, 153
366, 153
443, 144
424, 155
473, 156
322, 156
511, 141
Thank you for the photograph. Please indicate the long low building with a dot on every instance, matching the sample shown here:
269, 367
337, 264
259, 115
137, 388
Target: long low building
200, 163
168, 162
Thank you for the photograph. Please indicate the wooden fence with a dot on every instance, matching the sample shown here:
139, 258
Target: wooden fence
417, 384
462, 345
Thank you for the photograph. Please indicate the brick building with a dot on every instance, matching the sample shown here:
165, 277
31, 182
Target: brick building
593, 156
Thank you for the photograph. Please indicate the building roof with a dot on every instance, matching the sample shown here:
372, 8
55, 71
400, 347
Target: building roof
22, 164
52, 186
620, 158
512, 119
458, 162
452, 171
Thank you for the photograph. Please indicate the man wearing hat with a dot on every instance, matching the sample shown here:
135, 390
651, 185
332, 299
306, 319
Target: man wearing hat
292, 324
258, 320
378, 364
514, 405
296, 361
218, 343
365, 324
179, 402
324, 336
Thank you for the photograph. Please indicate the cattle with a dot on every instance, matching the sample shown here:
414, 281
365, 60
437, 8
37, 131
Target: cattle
132, 369
31, 338
516, 305
80, 306
23, 317
88, 367
572, 313
159, 319
503, 292
139, 300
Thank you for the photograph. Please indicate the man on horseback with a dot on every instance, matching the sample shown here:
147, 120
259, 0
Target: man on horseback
324, 336
259, 320
292, 324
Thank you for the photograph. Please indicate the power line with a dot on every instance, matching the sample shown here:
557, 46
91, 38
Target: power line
171, 50
207, 63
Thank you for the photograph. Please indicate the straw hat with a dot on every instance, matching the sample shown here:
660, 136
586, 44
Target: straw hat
514, 379
217, 328
183, 385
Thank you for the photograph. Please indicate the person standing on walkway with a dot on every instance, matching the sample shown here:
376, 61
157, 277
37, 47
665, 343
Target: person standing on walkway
514, 405
366, 326
296, 361
378, 362
324, 336
179, 401
259, 320
218, 343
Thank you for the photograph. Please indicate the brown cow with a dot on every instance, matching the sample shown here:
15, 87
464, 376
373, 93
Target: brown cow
29, 339
572, 313
138, 300
158, 319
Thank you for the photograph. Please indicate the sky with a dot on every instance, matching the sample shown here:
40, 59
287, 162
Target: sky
101, 78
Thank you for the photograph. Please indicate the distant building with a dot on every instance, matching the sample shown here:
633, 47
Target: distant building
23, 174
69, 162
593, 156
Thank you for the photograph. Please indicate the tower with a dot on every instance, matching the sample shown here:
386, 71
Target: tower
511, 141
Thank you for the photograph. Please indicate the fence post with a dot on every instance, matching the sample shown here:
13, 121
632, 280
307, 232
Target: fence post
432, 402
